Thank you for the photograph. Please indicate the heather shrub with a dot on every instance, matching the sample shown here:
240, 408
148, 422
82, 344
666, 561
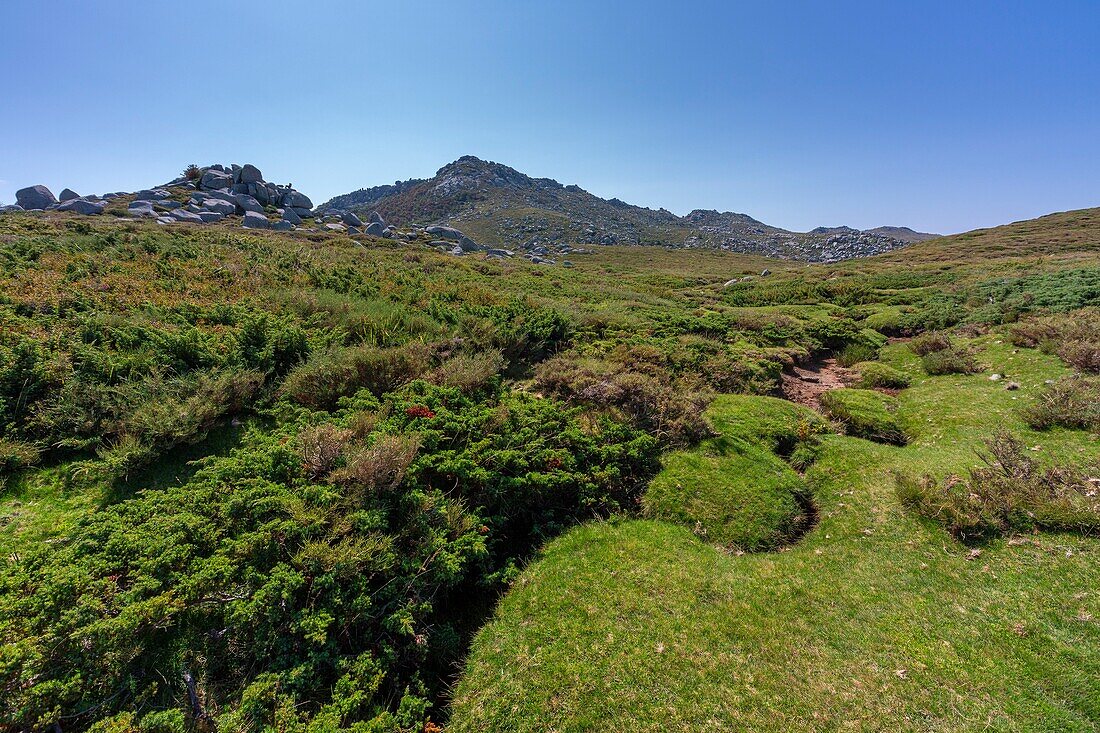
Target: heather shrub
1011, 492
326, 377
1071, 402
1083, 356
468, 372
644, 393
952, 360
930, 342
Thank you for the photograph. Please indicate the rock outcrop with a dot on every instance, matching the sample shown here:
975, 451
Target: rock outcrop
35, 198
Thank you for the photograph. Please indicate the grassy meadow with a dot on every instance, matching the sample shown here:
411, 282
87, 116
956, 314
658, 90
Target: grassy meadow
301, 481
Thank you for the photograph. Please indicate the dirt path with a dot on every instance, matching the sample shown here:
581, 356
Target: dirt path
805, 384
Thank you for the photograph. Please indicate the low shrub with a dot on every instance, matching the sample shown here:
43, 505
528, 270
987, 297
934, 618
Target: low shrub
874, 374
1011, 492
16, 455
326, 377
1081, 355
865, 414
1071, 402
952, 360
647, 395
468, 372
853, 354
930, 342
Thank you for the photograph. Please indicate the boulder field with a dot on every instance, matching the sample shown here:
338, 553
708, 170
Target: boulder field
216, 192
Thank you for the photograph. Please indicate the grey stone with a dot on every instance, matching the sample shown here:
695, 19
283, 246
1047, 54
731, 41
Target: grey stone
34, 198
168, 204
249, 174
375, 229
255, 220
375, 216
445, 232
297, 200
336, 227
209, 217
301, 211
213, 180
219, 206
80, 206
282, 226
293, 218
248, 203
142, 209
353, 230
468, 245
351, 219
155, 194
11, 208
765, 272
184, 215
67, 194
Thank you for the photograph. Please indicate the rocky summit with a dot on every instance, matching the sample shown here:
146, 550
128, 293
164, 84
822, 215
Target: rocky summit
504, 208
469, 206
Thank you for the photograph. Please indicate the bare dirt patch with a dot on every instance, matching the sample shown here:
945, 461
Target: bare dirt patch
805, 384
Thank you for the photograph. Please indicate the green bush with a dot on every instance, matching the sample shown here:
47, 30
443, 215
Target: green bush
314, 578
865, 414
1012, 492
647, 395
952, 360
931, 342
874, 374
853, 354
326, 377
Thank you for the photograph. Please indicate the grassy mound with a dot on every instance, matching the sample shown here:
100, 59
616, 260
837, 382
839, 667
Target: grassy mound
734, 489
865, 414
874, 621
876, 374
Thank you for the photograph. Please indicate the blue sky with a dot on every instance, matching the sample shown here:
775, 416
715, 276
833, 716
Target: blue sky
943, 116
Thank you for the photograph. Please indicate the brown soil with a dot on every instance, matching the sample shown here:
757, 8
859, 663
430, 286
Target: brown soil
805, 384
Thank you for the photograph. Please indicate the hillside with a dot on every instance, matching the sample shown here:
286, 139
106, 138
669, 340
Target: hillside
308, 478
500, 206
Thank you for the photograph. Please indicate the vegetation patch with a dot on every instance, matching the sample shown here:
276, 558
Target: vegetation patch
876, 375
735, 489
1011, 492
865, 413
1071, 402
951, 360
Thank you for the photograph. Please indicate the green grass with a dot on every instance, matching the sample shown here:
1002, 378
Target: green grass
874, 374
865, 414
734, 490
876, 620
118, 340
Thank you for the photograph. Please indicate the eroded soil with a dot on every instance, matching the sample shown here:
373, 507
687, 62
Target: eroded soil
806, 383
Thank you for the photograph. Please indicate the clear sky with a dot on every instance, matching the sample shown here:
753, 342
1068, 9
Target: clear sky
943, 116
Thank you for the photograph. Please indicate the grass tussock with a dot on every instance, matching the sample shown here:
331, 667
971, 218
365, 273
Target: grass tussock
876, 375
865, 414
1010, 492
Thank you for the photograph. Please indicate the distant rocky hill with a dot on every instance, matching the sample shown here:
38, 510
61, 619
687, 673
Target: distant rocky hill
500, 206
